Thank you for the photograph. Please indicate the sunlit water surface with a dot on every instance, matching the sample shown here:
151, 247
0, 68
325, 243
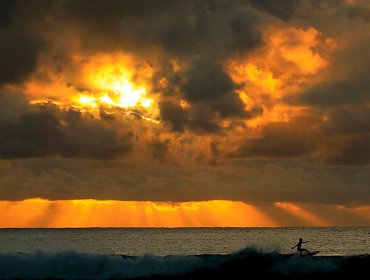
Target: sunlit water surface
184, 241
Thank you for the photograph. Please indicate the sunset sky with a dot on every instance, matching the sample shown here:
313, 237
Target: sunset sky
184, 113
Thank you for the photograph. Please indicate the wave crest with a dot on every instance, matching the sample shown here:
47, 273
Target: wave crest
248, 262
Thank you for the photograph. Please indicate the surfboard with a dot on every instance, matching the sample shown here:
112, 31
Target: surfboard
313, 253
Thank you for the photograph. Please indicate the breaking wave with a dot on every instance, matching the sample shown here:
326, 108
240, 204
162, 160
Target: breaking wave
248, 262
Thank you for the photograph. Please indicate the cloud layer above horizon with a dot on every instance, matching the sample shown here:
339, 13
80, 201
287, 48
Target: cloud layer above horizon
257, 101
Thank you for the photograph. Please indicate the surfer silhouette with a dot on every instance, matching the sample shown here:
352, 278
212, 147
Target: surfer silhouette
299, 247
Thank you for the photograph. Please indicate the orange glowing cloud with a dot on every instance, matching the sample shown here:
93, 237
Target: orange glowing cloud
88, 83
108, 82
363, 211
94, 213
291, 56
252, 74
215, 213
292, 59
303, 214
297, 46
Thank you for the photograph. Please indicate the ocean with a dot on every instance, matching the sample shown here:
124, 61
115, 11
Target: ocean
124, 253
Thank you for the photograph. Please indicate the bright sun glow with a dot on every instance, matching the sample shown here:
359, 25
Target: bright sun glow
115, 91
113, 83
114, 87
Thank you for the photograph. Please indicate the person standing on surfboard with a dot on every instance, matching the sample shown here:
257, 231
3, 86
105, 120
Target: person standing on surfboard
299, 246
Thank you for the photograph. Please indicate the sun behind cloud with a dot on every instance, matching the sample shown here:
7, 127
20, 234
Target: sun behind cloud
112, 83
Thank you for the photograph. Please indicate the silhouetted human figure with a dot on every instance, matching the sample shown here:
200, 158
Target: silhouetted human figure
299, 246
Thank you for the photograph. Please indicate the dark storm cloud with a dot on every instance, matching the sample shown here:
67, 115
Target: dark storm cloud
206, 80
353, 150
20, 44
177, 27
359, 11
159, 148
348, 136
113, 9
87, 137
12, 107
230, 105
174, 114
198, 118
282, 9
348, 132
7, 12
352, 120
287, 10
34, 135
334, 93
280, 140
206, 84
203, 119
346, 80
48, 132
244, 32
253, 181
19, 55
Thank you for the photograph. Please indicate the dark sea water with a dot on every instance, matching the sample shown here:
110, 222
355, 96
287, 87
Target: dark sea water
121, 253
184, 241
